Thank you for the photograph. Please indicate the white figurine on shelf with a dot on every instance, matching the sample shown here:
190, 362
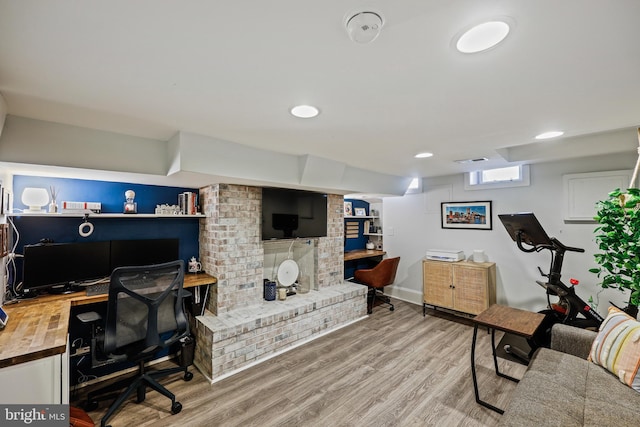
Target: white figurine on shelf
130, 207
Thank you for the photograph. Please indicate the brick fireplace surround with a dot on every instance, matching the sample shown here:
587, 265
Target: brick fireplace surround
239, 328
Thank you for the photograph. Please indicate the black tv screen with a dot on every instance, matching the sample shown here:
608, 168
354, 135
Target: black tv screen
143, 252
288, 213
47, 265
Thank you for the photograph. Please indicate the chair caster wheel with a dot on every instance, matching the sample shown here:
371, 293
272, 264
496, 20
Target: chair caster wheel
188, 376
91, 405
176, 408
391, 308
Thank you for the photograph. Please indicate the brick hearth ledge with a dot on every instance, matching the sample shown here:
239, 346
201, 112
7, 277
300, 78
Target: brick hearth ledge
235, 340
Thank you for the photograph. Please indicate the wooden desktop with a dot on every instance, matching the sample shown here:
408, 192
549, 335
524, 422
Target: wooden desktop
362, 254
38, 328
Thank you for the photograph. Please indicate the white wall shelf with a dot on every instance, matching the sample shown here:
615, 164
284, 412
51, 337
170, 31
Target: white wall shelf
373, 234
360, 217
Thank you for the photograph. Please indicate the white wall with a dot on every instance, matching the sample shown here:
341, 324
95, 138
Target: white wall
39, 142
412, 225
3, 113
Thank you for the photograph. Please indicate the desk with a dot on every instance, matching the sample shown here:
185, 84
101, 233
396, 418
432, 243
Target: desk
502, 318
360, 258
38, 328
362, 254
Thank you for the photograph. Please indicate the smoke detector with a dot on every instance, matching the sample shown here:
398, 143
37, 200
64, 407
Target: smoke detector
364, 27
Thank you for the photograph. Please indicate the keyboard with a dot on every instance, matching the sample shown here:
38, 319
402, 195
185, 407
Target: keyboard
98, 289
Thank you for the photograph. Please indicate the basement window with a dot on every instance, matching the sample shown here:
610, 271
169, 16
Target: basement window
415, 186
512, 176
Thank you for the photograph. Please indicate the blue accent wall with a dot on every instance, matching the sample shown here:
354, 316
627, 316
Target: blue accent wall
361, 241
110, 194
32, 229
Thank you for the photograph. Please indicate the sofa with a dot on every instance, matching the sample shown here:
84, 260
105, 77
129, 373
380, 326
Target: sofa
562, 388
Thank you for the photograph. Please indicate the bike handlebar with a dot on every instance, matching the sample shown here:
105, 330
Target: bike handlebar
558, 245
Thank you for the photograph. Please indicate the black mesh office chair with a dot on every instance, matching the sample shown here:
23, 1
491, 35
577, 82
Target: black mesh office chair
145, 315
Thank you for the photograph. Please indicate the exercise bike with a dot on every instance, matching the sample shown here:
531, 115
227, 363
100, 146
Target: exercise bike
569, 309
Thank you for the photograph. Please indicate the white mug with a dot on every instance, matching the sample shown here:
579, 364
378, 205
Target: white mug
194, 265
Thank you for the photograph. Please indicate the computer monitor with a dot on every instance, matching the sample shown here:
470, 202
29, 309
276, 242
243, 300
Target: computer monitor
59, 264
526, 227
143, 252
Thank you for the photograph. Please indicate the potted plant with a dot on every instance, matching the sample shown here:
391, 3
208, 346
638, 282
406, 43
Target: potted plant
618, 239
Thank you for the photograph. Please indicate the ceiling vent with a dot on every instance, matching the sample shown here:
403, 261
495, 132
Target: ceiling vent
479, 159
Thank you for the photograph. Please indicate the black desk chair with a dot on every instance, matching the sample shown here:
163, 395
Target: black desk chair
145, 315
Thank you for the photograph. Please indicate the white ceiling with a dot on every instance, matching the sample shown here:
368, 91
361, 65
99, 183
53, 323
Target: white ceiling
232, 70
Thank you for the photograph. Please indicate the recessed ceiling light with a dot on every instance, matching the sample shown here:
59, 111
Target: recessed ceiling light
482, 37
550, 134
423, 155
305, 111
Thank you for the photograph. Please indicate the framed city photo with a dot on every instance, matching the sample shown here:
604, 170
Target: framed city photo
467, 215
360, 211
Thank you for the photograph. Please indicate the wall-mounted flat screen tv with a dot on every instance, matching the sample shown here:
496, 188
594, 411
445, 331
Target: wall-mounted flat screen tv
287, 214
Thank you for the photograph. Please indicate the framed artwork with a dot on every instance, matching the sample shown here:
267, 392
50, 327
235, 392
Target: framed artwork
4, 240
6, 201
467, 215
361, 212
348, 209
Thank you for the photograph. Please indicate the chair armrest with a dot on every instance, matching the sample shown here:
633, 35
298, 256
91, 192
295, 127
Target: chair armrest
89, 317
572, 340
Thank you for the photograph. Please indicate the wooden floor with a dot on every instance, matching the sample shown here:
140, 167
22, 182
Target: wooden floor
391, 369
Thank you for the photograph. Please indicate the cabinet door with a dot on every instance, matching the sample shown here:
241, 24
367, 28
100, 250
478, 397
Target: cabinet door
437, 281
470, 289
34, 382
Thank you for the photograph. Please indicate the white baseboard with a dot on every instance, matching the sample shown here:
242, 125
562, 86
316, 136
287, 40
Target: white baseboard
403, 294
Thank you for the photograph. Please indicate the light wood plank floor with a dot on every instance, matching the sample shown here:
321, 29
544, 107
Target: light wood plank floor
391, 369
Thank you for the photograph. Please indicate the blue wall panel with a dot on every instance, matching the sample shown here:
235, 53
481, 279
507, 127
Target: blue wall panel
358, 243
361, 241
111, 195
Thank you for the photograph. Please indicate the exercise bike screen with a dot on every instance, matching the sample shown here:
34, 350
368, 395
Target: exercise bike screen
527, 225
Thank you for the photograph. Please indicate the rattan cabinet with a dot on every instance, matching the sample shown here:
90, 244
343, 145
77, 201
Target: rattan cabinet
465, 287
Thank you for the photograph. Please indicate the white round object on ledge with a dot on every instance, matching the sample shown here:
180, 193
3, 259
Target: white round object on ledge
288, 272
479, 256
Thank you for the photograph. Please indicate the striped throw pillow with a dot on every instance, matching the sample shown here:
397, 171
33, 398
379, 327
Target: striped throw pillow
617, 347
